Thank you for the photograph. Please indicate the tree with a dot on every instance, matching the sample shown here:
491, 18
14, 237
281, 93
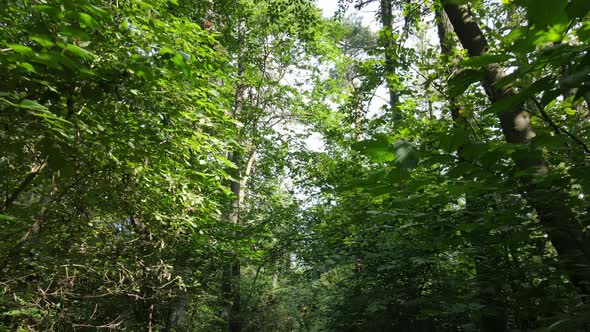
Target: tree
556, 217
183, 165
100, 142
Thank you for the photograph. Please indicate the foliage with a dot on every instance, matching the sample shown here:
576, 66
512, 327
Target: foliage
157, 166
106, 112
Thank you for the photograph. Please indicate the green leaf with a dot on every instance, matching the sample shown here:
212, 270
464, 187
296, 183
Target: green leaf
166, 50
510, 102
577, 79
543, 13
31, 104
52, 118
6, 217
569, 111
378, 150
28, 67
460, 82
56, 60
96, 11
504, 104
178, 60
43, 40
88, 21
552, 142
480, 61
584, 32
54, 12
406, 155
80, 52
50, 60
21, 49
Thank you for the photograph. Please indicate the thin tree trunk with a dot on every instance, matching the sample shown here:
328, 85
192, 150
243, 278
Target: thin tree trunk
493, 316
151, 318
550, 200
231, 270
232, 273
387, 25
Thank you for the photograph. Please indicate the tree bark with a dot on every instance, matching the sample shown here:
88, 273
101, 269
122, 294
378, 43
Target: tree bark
387, 25
493, 316
547, 197
231, 271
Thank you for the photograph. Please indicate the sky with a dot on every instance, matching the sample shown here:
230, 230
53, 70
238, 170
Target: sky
329, 7
315, 141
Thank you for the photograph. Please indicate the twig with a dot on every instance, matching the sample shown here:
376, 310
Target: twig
35, 169
555, 127
112, 325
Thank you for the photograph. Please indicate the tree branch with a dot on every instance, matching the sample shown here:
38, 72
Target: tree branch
555, 127
35, 169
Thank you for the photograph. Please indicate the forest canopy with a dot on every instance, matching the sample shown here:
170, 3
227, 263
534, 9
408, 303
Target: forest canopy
262, 165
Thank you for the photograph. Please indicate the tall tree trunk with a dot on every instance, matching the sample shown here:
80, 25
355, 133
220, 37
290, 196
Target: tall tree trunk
493, 316
231, 269
548, 198
387, 25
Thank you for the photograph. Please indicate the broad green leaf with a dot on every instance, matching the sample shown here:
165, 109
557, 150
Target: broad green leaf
31, 104
56, 60
584, 31
6, 217
28, 67
47, 60
510, 102
50, 10
80, 52
577, 79
52, 118
554, 143
483, 60
569, 111
166, 50
406, 155
378, 150
505, 104
178, 60
43, 40
460, 82
543, 13
96, 11
21, 49
88, 21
